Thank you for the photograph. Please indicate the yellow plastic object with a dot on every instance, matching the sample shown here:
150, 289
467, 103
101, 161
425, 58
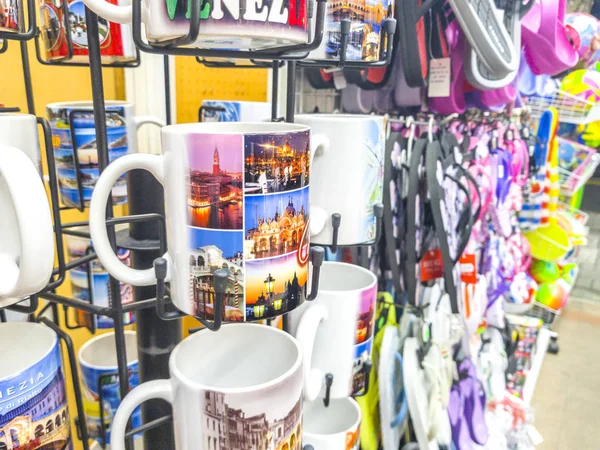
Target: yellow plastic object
195, 82
552, 242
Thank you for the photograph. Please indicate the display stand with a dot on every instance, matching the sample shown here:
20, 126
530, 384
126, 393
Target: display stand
156, 338
533, 374
158, 330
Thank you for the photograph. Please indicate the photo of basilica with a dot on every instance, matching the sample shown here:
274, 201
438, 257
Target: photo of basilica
275, 224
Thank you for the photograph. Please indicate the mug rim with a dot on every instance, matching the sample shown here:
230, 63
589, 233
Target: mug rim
241, 102
234, 128
88, 343
32, 326
86, 104
355, 424
177, 374
340, 117
354, 267
17, 116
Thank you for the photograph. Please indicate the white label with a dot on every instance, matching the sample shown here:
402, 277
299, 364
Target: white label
500, 171
339, 80
439, 77
534, 435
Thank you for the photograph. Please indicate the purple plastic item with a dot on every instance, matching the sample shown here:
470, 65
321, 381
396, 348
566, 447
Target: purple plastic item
404, 96
499, 97
460, 430
473, 395
356, 100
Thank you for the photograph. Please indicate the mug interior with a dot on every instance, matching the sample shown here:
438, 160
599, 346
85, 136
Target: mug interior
234, 128
100, 352
341, 415
22, 345
343, 277
239, 357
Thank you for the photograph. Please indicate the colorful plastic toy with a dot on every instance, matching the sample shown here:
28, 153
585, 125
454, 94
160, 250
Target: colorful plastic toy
545, 271
553, 295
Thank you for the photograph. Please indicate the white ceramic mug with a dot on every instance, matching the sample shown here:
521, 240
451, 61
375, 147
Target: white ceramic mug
26, 233
233, 111
215, 222
99, 372
35, 412
244, 392
121, 133
237, 24
347, 179
333, 427
99, 292
336, 330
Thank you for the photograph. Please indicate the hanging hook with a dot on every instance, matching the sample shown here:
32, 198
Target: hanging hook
220, 277
336, 219
328, 384
317, 254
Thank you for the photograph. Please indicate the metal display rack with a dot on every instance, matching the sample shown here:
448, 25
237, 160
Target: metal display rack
158, 322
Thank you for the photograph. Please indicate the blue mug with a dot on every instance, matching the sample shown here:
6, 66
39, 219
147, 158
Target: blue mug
100, 382
33, 400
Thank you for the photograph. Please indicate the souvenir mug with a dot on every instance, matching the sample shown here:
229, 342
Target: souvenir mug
26, 233
233, 24
234, 396
333, 427
99, 372
99, 293
237, 198
116, 43
32, 381
347, 179
229, 111
121, 128
366, 38
335, 330
11, 16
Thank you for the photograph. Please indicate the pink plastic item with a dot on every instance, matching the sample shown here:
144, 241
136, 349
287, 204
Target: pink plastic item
547, 49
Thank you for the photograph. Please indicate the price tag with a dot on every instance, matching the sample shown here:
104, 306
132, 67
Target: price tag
439, 78
432, 265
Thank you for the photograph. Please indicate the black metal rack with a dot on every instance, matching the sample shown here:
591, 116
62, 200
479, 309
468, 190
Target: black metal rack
157, 320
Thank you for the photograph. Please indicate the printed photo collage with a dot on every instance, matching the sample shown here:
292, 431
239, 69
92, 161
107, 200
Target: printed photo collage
248, 202
85, 142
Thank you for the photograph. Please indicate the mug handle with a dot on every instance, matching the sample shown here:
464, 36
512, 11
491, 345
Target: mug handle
143, 120
34, 224
98, 233
113, 13
320, 143
306, 335
146, 391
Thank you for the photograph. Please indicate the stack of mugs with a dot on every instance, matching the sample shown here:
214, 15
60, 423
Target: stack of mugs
250, 382
90, 282
278, 389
